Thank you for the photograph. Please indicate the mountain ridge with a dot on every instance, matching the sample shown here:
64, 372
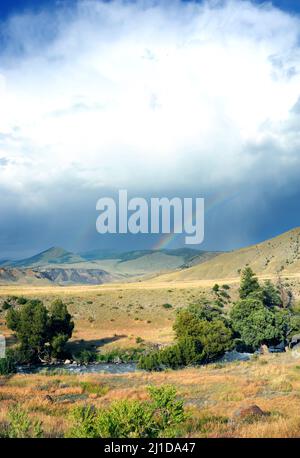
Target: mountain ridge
59, 265
275, 256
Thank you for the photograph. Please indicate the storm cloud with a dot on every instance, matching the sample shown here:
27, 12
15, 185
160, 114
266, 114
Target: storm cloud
165, 98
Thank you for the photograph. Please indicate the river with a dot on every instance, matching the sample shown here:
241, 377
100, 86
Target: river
111, 368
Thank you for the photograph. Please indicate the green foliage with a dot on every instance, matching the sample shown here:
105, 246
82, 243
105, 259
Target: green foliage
41, 334
190, 351
126, 419
257, 324
31, 326
270, 295
226, 287
169, 411
21, 300
211, 334
216, 288
6, 305
84, 422
150, 362
205, 310
167, 306
216, 339
85, 357
258, 318
249, 283
130, 418
94, 388
7, 366
21, 426
187, 324
221, 294
171, 357
60, 326
128, 355
202, 335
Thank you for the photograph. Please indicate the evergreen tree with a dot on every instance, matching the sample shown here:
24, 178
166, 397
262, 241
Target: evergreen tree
249, 283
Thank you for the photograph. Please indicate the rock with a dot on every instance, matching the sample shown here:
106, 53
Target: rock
296, 351
67, 361
246, 412
49, 399
264, 350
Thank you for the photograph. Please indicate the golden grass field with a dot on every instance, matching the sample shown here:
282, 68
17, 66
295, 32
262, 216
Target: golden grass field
114, 315
212, 394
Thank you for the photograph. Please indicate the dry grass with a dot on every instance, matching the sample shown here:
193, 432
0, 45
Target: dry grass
212, 394
113, 316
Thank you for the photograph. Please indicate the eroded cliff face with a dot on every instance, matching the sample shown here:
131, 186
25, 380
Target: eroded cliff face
54, 275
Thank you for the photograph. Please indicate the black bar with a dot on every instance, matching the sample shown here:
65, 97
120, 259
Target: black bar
147, 447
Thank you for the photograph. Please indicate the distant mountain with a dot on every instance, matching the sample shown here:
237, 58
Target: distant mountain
61, 266
100, 254
143, 262
54, 255
277, 256
44, 276
184, 253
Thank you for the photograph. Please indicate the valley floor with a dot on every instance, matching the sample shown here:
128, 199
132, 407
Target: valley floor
212, 396
115, 316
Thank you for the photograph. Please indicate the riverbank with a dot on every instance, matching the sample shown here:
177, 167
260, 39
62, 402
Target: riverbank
111, 368
212, 394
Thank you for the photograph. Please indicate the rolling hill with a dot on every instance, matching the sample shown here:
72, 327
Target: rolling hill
44, 276
54, 255
279, 255
95, 267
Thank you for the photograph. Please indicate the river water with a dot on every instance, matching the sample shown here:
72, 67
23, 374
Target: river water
112, 368
101, 368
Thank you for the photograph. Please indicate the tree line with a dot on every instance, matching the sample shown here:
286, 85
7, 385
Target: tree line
263, 314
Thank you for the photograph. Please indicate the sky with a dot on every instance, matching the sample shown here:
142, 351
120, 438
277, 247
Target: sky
181, 98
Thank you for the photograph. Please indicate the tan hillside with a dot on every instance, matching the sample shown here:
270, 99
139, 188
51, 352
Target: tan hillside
280, 254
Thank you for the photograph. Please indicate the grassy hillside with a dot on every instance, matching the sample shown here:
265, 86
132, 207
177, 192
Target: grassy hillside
279, 255
54, 255
60, 266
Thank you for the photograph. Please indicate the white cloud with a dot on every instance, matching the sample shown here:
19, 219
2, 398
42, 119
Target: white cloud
112, 94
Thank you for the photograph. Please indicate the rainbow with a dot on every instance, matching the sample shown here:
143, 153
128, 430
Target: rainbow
211, 203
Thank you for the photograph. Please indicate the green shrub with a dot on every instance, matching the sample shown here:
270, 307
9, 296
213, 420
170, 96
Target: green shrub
7, 366
126, 419
150, 362
85, 357
21, 426
249, 283
94, 388
41, 333
139, 340
21, 300
130, 418
167, 306
169, 411
84, 422
6, 305
128, 355
202, 335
